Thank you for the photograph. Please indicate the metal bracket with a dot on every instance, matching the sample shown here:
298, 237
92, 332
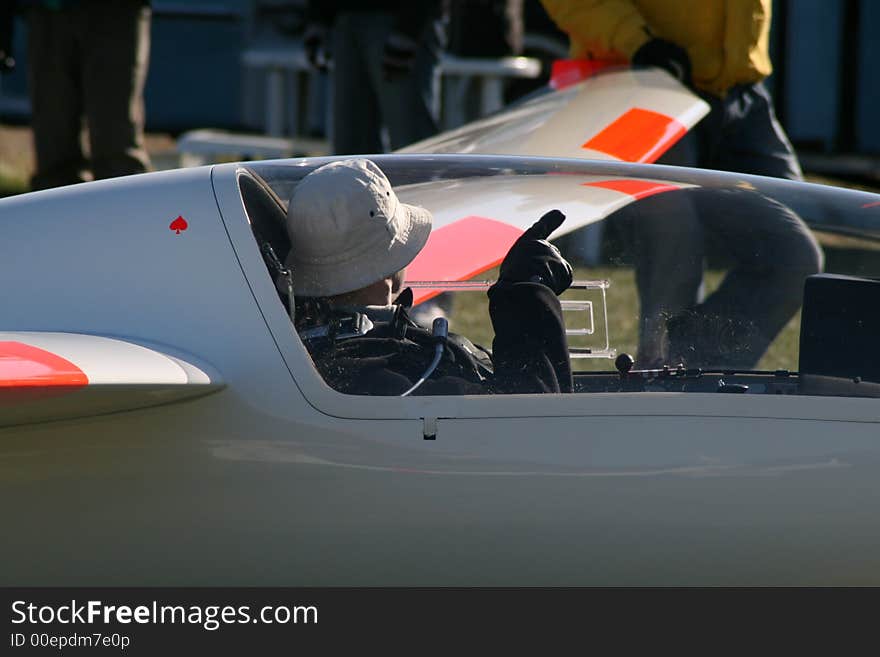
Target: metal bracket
599, 351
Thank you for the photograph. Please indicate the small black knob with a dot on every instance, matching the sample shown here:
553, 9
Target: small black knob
624, 363
736, 388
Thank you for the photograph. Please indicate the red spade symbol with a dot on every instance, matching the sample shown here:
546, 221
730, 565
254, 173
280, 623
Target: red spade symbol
178, 225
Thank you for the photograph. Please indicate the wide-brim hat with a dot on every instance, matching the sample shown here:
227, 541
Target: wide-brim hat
348, 229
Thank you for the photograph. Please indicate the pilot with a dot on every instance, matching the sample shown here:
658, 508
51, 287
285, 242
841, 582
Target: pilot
351, 242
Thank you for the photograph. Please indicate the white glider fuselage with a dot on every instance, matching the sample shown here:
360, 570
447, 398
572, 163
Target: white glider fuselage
272, 478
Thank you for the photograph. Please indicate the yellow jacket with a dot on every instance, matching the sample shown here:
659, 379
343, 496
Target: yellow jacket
727, 40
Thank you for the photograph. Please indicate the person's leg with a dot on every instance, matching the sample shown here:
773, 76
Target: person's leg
117, 45
774, 252
751, 139
669, 249
409, 103
357, 125
773, 249
56, 103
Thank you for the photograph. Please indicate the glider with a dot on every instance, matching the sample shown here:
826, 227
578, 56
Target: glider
161, 422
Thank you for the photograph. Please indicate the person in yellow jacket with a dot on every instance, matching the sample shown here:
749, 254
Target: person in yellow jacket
719, 48
724, 41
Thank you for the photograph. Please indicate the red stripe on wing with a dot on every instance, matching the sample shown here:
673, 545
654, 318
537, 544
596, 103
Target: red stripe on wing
566, 72
638, 135
461, 250
635, 188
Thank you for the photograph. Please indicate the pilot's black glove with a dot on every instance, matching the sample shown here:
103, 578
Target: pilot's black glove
315, 43
666, 55
533, 259
399, 55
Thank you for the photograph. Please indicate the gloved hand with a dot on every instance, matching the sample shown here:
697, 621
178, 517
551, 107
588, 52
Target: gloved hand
532, 258
315, 42
399, 55
666, 55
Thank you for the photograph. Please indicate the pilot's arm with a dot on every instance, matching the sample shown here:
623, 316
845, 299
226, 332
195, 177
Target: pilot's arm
530, 350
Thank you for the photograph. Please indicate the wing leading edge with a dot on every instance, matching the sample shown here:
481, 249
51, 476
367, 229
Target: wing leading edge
51, 376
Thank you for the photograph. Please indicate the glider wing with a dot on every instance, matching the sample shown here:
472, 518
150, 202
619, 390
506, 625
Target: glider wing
50, 376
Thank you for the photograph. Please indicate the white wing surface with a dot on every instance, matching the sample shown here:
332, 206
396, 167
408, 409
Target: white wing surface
630, 115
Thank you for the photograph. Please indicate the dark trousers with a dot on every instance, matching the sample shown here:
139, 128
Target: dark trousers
771, 252
88, 61
365, 102
772, 249
740, 133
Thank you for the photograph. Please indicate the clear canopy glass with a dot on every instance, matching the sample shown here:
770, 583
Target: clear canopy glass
695, 274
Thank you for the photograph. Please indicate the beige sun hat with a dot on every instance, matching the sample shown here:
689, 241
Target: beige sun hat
348, 229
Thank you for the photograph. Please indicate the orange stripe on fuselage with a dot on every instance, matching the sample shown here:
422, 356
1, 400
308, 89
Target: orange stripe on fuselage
638, 135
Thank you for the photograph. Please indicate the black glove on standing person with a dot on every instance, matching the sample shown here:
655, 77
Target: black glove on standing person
530, 349
666, 55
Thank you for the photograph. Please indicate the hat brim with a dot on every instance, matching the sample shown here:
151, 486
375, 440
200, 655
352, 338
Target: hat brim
311, 279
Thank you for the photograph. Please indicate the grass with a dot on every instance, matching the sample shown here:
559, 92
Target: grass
470, 318
13, 180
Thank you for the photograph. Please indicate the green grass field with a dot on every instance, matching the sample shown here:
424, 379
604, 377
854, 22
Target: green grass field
13, 180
